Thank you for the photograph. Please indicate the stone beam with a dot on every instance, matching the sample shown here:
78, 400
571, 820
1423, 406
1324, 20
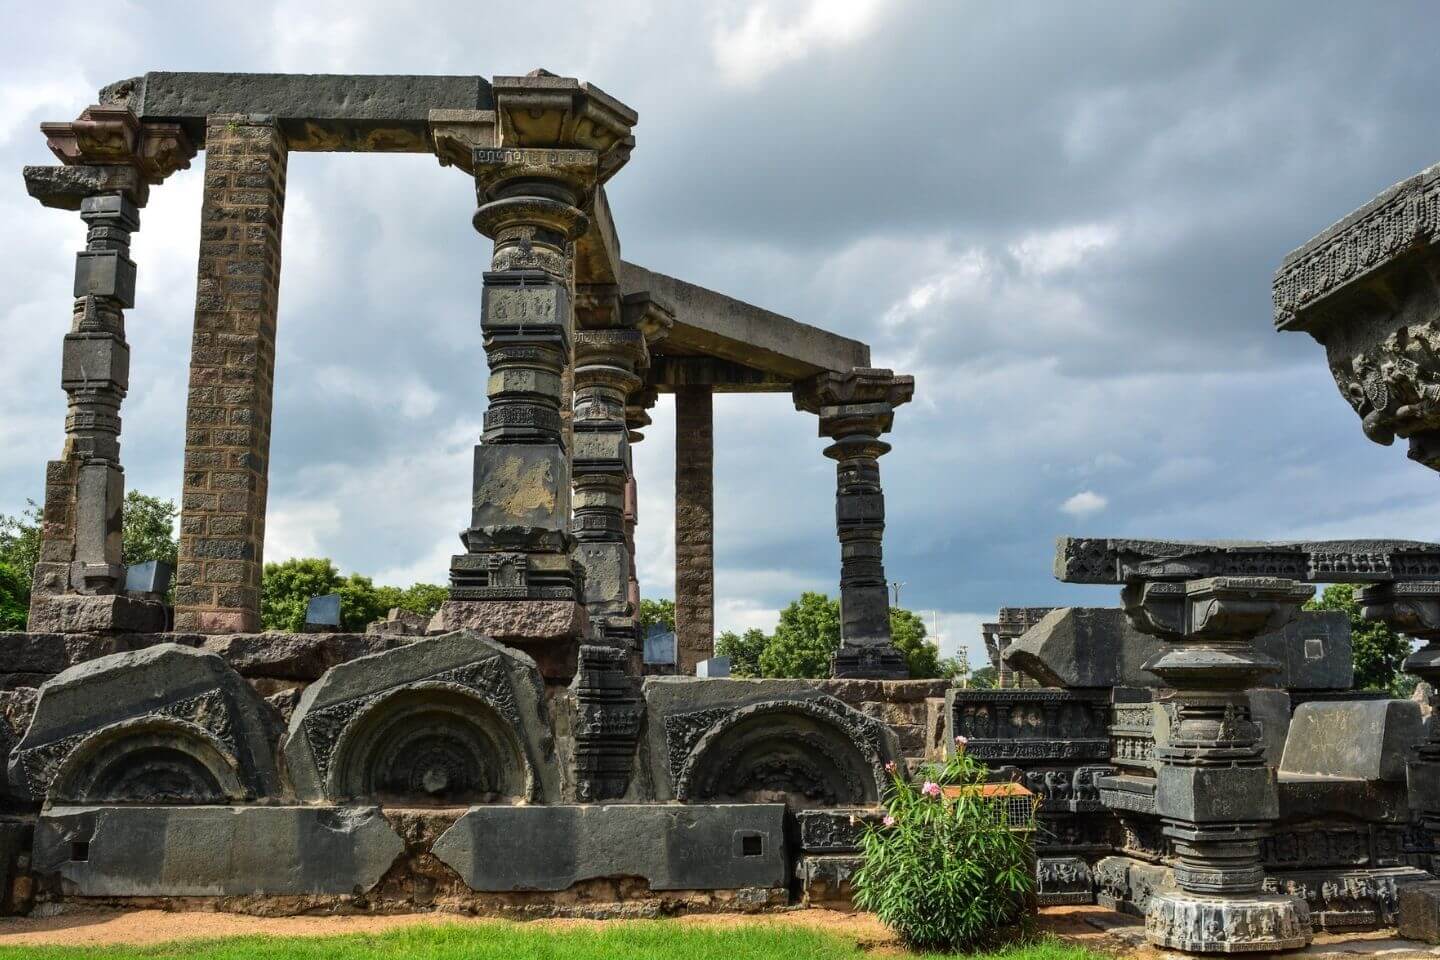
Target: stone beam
1090, 560
668, 374
349, 112
713, 324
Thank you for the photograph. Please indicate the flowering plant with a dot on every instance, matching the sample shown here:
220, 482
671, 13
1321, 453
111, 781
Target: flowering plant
944, 869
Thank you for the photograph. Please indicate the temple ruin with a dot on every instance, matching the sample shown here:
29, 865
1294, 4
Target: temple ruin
1202, 758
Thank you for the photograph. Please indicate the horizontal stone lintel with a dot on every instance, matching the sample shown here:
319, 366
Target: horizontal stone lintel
340, 112
1118, 561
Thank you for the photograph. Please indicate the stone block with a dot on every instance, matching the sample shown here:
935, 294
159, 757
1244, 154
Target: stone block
164, 724
520, 486
95, 360
1420, 912
827, 880
670, 846
1063, 880
1270, 709
547, 630
454, 719
292, 656
1216, 794
16, 886
747, 740
1359, 739
158, 851
607, 576
105, 273
104, 613
1201, 924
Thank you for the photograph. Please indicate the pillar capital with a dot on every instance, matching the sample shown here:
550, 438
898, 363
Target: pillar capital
541, 109
858, 402
113, 136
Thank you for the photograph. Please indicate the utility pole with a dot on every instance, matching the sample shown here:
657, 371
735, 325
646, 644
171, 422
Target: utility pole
895, 586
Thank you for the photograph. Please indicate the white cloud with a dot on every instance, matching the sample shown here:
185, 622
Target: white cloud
1084, 503
1052, 251
767, 39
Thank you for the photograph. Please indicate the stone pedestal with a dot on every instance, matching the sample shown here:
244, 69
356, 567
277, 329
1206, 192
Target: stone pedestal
855, 408
111, 160
1214, 793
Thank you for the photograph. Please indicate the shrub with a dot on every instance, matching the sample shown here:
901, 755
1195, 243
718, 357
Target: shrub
946, 871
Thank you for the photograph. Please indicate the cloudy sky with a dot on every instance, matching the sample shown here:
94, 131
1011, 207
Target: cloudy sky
1062, 218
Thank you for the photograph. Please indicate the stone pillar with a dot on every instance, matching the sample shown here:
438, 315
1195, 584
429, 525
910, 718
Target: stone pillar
855, 408
111, 159
232, 371
694, 527
1214, 793
611, 355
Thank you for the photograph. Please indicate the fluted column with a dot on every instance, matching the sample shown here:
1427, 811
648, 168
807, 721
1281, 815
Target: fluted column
1214, 793
110, 160
855, 408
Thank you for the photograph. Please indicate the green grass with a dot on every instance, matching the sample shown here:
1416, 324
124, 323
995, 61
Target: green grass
620, 940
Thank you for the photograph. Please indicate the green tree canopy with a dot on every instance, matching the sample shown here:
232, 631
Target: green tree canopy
657, 611
148, 529
907, 632
1379, 651
286, 589
743, 649
14, 598
804, 640
984, 679
20, 541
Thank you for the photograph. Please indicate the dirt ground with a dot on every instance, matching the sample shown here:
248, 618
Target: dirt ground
1094, 927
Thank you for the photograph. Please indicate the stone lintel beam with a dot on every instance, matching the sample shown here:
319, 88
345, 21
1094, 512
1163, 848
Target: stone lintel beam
1115, 561
669, 373
331, 112
597, 251
713, 324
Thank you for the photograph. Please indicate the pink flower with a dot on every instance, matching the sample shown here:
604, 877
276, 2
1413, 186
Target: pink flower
889, 821
890, 767
930, 789
961, 741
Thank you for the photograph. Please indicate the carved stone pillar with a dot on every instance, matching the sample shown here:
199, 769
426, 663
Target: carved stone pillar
1214, 793
536, 161
111, 160
855, 408
611, 355
1414, 609
694, 527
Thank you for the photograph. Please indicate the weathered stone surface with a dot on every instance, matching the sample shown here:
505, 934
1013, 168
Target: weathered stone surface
405, 623
63, 188
1183, 921
108, 613
317, 111
715, 325
671, 846
16, 887
1098, 560
151, 851
694, 527
164, 724
606, 727
1420, 912
294, 656
453, 719
1362, 740
761, 741
549, 631
828, 879
1100, 647
1063, 880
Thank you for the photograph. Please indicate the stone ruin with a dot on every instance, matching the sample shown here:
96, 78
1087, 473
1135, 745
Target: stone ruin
1201, 756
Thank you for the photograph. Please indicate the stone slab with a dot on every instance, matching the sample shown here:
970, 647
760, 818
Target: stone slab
316, 111
1420, 912
712, 324
1098, 647
671, 846
152, 851
110, 613
1118, 561
1361, 740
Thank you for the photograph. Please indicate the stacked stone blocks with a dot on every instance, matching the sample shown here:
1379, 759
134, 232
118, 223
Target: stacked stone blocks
232, 368
694, 526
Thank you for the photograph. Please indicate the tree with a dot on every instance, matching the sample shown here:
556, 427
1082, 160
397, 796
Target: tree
743, 650
657, 611
423, 598
957, 668
286, 589
14, 598
907, 632
805, 638
20, 542
1379, 651
148, 529
984, 679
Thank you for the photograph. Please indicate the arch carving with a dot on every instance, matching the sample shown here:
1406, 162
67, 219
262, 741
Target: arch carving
151, 759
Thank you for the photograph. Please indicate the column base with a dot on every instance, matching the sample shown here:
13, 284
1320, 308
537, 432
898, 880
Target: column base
550, 631
102, 613
869, 662
1237, 923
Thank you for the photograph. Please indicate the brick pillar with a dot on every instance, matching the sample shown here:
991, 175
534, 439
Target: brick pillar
694, 527
232, 369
